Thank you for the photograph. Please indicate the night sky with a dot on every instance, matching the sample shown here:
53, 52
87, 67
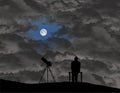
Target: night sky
89, 29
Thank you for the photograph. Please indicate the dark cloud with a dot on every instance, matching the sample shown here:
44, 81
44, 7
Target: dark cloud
17, 55
99, 78
40, 7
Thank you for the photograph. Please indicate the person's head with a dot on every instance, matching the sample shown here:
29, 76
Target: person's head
76, 58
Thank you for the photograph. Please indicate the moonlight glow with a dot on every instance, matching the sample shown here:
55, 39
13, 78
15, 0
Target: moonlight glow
43, 32
45, 29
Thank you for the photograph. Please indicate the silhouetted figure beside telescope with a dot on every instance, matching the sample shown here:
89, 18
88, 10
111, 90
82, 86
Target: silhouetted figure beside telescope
75, 67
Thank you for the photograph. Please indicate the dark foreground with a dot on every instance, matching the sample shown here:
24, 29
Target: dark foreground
9, 86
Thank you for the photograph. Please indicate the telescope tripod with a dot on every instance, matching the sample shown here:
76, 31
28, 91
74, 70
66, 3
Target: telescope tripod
48, 70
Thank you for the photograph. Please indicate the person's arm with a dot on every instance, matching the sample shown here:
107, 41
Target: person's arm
80, 66
71, 66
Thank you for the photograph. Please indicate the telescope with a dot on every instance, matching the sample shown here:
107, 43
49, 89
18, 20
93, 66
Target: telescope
48, 63
47, 69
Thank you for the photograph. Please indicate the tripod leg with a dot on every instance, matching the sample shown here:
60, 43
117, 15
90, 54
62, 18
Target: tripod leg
47, 75
69, 76
81, 77
52, 74
42, 75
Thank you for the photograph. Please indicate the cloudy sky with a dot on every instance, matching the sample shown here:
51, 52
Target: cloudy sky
89, 29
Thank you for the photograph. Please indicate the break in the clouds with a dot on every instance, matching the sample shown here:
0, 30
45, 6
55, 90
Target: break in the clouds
51, 28
89, 29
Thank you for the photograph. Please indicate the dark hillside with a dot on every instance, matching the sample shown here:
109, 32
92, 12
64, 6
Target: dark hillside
10, 86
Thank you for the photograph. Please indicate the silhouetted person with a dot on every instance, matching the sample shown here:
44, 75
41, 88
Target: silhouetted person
75, 67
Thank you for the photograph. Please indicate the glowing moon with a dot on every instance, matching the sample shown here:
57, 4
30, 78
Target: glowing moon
43, 32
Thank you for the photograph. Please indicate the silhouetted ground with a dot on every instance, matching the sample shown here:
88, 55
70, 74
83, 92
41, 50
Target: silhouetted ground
9, 86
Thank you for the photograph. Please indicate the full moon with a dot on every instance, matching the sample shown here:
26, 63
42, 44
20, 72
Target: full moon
43, 32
